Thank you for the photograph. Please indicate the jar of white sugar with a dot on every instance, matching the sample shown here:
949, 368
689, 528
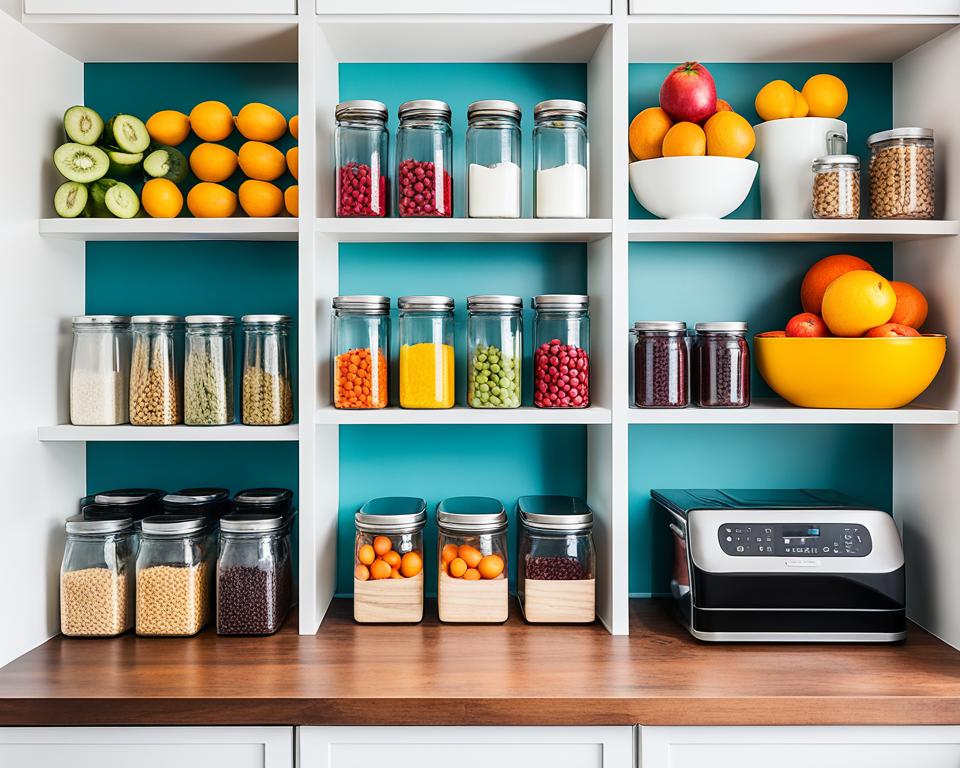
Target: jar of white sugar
100, 370
560, 159
493, 160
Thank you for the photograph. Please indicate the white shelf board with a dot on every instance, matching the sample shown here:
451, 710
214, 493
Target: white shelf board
773, 411
462, 415
178, 433
786, 230
239, 228
397, 230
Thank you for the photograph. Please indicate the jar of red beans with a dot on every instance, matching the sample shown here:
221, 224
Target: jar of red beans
722, 365
561, 362
660, 364
362, 142
424, 159
361, 351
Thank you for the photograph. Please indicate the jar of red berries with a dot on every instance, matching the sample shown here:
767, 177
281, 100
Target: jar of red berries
561, 362
362, 144
424, 159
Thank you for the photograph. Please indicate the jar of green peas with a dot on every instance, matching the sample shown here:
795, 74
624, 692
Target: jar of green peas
494, 351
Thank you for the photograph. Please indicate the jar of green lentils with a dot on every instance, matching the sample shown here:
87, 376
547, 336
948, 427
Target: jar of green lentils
208, 370
494, 351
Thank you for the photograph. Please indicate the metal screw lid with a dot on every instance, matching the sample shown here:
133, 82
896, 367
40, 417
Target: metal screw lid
471, 514
827, 162
173, 525
104, 523
366, 305
265, 319
424, 108
560, 302
209, 320
721, 327
101, 319
494, 303
155, 319
253, 498
558, 108
392, 514
361, 108
900, 133
659, 325
252, 522
425, 303
493, 108
555, 513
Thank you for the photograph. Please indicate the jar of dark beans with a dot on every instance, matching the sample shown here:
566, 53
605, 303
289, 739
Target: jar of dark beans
721, 359
362, 160
660, 364
424, 159
254, 573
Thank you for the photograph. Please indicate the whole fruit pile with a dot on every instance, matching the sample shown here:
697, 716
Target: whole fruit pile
842, 295
125, 166
822, 95
469, 563
690, 120
379, 560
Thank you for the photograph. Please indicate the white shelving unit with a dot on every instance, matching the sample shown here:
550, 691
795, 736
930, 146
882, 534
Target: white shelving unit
778, 412
180, 433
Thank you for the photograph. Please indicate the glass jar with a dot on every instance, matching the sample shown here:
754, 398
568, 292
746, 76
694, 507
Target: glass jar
902, 174
154, 400
254, 574
136, 503
267, 393
175, 571
660, 364
208, 370
100, 370
96, 576
426, 352
275, 500
362, 157
210, 503
472, 548
494, 351
836, 187
722, 362
561, 363
561, 186
361, 352
424, 159
556, 559
388, 560
493, 160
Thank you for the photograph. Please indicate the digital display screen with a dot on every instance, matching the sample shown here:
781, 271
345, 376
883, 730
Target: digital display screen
806, 532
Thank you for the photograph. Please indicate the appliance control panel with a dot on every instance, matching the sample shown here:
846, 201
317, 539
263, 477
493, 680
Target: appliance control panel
795, 539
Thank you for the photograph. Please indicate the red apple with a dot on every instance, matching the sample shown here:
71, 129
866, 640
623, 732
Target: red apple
806, 325
689, 93
771, 335
891, 329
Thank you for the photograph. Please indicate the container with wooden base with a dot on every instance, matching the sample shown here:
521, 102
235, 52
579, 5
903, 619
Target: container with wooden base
388, 560
557, 561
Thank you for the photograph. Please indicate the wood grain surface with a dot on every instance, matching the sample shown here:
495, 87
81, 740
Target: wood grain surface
514, 673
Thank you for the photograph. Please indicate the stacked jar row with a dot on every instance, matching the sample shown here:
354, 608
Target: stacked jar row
555, 571
196, 553
361, 351
424, 175
712, 369
124, 369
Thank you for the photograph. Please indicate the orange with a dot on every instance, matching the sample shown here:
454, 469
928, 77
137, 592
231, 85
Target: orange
211, 201
169, 127
293, 161
491, 566
211, 120
729, 135
457, 567
826, 95
380, 570
449, 553
858, 301
261, 161
470, 555
361, 572
821, 274
471, 574
213, 162
775, 100
294, 126
291, 199
366, 555
260, 198
261, 122
392, 558
684, 139
411, 565
647, 130
161, 199
723, 106
382, 545
911, 306
395, 574
800, 106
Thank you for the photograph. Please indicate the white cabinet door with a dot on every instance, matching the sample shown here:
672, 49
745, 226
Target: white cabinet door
804, 7
441, 747
801, 747
159, 6
466, 6
147, 747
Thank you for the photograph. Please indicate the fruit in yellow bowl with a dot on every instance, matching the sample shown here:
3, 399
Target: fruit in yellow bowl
887, 372
857, 301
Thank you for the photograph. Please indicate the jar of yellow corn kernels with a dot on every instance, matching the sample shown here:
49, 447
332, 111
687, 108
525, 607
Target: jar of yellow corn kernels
426, 352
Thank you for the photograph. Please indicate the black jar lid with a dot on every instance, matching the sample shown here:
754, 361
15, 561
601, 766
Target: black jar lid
392, 514
567, 514
212, 502
138, 503
252, 522
174, 525
106, 521
471, 514
272, 500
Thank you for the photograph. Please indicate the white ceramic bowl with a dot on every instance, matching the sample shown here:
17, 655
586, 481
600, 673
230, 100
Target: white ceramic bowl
692, 187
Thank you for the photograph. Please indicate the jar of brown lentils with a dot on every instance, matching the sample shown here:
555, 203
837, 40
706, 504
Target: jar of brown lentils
836, 187
902, 174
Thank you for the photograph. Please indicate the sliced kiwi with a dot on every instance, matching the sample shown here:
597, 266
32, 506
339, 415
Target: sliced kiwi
109, 197
128, 133
78, 162
82, 125
166, 163
70, 199
123, 163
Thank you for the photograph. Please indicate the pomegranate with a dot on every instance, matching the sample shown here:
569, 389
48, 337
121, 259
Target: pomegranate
688, 93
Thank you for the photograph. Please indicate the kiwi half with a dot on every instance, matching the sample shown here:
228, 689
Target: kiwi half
70, 199
82, 125
128, 133
166, 163
78, 162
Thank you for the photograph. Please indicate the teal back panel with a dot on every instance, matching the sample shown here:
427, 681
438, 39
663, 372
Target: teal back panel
459, 85
869, 109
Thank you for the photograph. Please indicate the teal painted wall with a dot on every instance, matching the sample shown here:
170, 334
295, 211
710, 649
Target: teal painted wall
869, 109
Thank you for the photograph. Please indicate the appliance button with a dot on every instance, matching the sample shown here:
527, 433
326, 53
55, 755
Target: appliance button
768, 530
826, 549
740, 548
729, 538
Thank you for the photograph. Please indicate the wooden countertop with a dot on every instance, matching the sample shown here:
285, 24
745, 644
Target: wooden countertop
514, 674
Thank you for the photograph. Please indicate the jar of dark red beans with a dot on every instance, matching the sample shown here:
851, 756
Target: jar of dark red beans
424, 159
362, 143
561, 360
722, 365
660, 364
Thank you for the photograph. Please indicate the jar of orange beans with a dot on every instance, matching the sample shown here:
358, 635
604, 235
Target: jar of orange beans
388, 560
473, 560
361, 351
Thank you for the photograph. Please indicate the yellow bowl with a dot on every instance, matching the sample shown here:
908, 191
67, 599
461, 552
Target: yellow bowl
849, 373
